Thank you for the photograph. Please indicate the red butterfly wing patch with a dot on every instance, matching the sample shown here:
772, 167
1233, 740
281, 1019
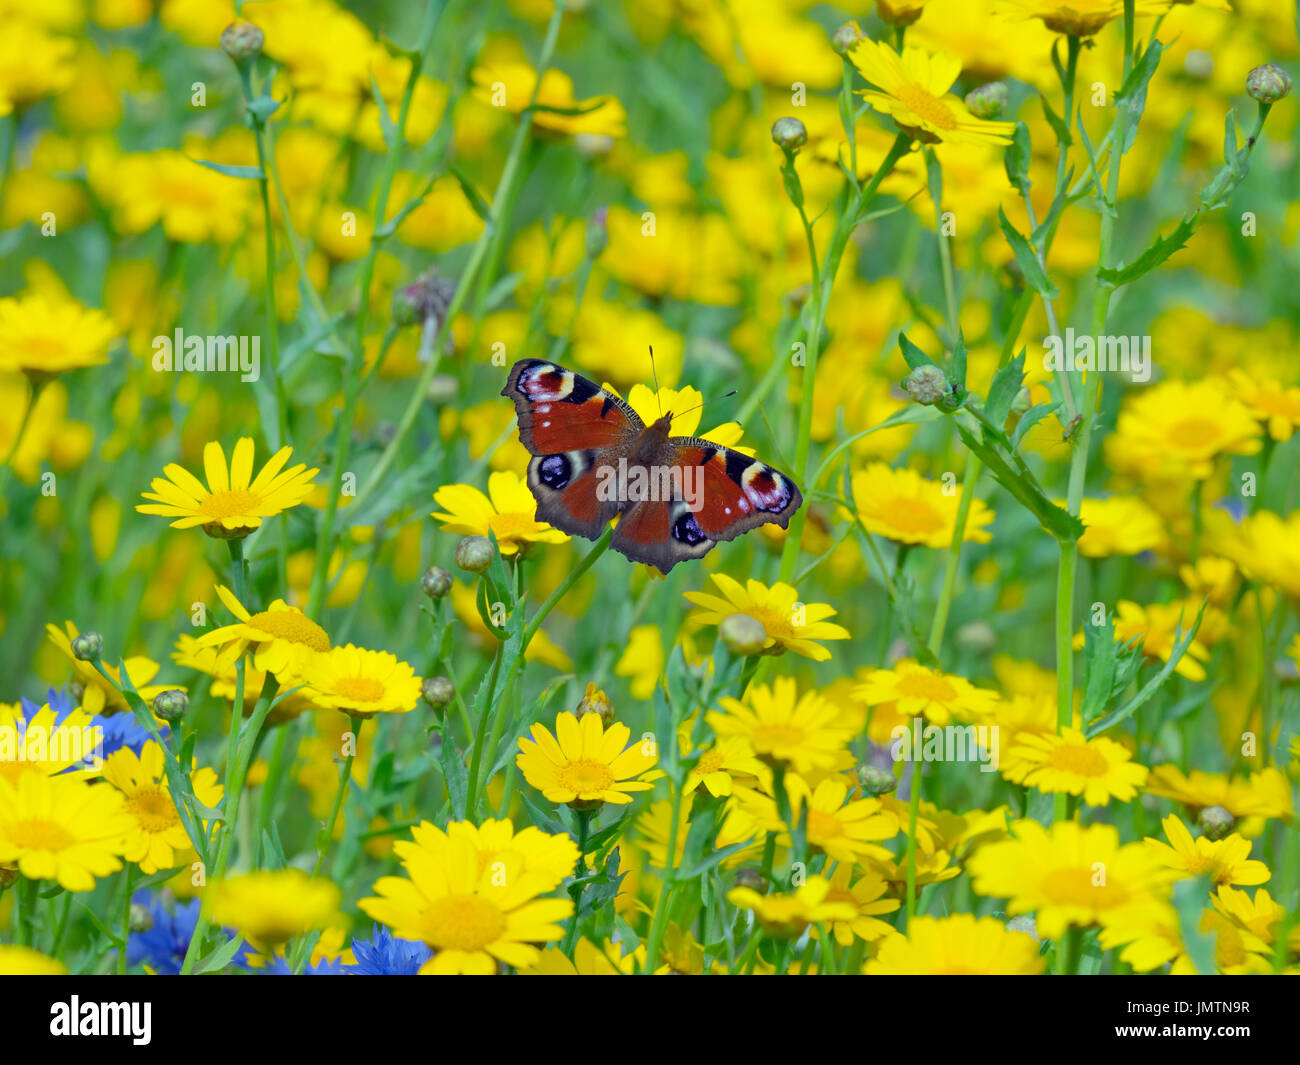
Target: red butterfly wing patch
595, 460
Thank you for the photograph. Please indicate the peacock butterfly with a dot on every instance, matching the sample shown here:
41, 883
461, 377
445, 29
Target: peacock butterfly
595, 460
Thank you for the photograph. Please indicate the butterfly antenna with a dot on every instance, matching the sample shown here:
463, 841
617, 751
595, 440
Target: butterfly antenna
655, 374
705, 403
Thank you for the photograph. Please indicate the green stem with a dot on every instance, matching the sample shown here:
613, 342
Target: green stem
914, 806
580, 872
128, 879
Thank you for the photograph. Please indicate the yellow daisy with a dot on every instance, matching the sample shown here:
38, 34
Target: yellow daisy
1120, 525
844, 832
24, 961
551, 856
790, 625
1098, 769
1225, 861
47, 335
1263, 794
960, 945
1179, 429
62, 828
801, 732
37, 744
282, 638
1277, 406
508, 511
361, 683
1069, 875
33, 62
717, 767
233, 503
910, 689
157, 833
867, 897
642, 660
270, 907
103, 695
905, 507
584, 764
472, 918
786, 916
510, 85
913, 90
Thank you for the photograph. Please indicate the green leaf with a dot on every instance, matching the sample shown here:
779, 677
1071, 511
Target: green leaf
1189, 898
958, 374
1006, 385
1029, 419
481, 207
1156, 254
1058, 124
219, 958
1026, 259
387, 229
713, 860
1133, 93
262, 108
385, 119
915, 356
1055, 520
1098, 669
250, 173
1019, 153
454, 771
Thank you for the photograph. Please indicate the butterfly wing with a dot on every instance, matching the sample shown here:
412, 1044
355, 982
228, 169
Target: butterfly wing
717, 494
572, 427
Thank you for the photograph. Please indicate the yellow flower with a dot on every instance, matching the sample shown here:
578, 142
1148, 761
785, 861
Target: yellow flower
508, 511
867, 897
1082, 18
233, 503
282, 638
271, 907
1097, 769
845, 832
42, 334
905, 507
1178, 429
157, 833
784, 728
194, 203
1120, 525
24, 961
642, 660
550, 857
33, 63
1069, 875
910, 689
900, 12
716, 768
790, 625
913, 90
589, 960
1278, 407
786, 916
1263, 794
37, 744
1225, 861
959, 945
510, 85
1271, 550
471, 917
62, 828
360, 682
104, 694
585, 764
1210, 578
1160, 626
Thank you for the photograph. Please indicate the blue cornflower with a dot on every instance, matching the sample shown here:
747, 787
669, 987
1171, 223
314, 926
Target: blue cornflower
279, 966
386, 955
162, 948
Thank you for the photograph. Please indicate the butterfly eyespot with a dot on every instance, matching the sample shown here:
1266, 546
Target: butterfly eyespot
554, 471
687, 530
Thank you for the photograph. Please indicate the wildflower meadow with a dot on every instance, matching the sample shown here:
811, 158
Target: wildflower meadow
626, 487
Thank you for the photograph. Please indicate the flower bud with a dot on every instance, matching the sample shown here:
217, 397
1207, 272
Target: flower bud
436, 582
1215, 822
927, 385
743, 635
1199, 64
428, 296
846, 37
899, 12
596, 702
438, 692
88, 646
875, 780
789, 134
748, 876
988, 101
141, 919
475, 554
242, 41
597, 233
171, 705
1268, 84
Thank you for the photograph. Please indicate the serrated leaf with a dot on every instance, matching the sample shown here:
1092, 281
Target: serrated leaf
1157, 253
958, 375
1133, 93
1098, 669
1026, 259
1017, 158
455, 773
1029, 419
1006, 385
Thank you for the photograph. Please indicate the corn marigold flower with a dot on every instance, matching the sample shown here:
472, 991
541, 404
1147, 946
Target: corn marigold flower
269, 907
790, 624
233, 502
844, 831
1070, 875
508, 511
910, 689
551, 856
717, 768
24, 961
1120, 525
932, 867
283, 639
1259, 915
1276, 406
1264, 794
800, 732
62, 828
584, 764
472, 918
43, 740
1270, 550
907, 508
590, 959
33, 63
959, 945
867, 896
913, 90
642, 660
510, 85
1098, 769
361, 682
1081, 18
44, 335
1225, 861
1178, 429
786, 916
103, 695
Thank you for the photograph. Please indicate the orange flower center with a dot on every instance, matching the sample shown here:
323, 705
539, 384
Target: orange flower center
1193, 433
926, 686
710, 762
913, 516
293, 626
463, 922
154, 809
585, 777
231, 503
926, 106
1081, 761
360, 689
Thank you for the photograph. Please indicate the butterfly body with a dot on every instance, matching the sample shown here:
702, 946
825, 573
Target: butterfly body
595, 460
